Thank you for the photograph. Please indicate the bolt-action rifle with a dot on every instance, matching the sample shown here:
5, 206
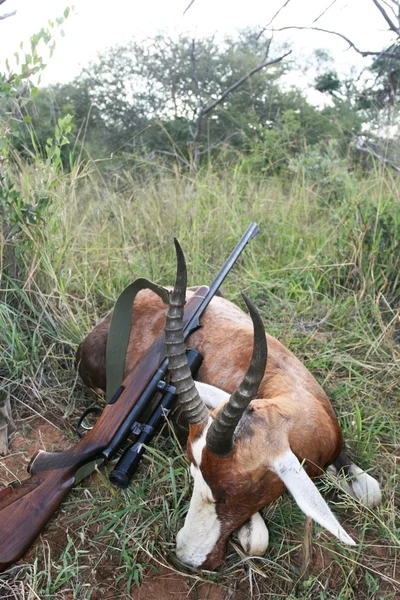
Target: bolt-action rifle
26, 507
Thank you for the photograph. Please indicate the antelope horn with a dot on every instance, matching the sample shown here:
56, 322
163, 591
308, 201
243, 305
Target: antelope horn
189, 400
220, 434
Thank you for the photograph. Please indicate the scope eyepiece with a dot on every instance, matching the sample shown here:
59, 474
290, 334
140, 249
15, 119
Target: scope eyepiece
121, 475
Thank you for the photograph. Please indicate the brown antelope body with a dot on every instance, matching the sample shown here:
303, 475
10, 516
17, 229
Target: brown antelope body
282, 419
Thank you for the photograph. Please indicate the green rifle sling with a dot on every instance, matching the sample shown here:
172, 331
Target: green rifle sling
120, 329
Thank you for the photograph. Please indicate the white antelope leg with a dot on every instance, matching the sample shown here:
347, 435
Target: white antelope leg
358, 484
253, 536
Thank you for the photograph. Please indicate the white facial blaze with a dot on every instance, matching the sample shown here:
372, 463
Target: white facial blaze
201, 530
308, 498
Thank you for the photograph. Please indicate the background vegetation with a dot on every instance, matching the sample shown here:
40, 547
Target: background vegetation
96, 178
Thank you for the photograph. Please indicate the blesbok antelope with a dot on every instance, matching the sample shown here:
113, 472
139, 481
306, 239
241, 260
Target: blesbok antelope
277, 429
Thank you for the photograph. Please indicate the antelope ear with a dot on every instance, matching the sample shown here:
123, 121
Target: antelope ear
308, 498
212, 396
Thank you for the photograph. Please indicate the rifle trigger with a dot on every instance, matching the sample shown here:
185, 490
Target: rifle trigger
82, 428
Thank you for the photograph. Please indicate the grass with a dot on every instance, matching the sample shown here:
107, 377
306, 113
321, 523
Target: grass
325, 275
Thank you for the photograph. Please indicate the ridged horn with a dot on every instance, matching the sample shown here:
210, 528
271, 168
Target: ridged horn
220, 434
189, 400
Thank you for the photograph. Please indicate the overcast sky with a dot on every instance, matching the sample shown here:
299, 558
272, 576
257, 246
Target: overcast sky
96, 24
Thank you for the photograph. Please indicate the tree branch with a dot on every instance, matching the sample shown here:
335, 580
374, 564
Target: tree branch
343, 37
388, 20
396, 4
325, 11
175, 155
364, 148
242, 80
202, 110
379, 5
280, 9
188, 6
6, 15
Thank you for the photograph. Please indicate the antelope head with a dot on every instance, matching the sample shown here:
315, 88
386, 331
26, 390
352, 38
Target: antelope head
240, 453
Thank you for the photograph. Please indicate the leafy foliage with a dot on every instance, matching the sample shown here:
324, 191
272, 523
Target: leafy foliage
141, 99
22, 218
384, 91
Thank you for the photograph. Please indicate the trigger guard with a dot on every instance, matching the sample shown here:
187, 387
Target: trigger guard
80, 425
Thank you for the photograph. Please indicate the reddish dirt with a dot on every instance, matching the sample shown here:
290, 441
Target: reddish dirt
37, 435
168, 584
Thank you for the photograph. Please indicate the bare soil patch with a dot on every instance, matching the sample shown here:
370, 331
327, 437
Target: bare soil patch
38, 434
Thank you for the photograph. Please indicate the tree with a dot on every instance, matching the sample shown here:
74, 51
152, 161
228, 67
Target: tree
189, 100
139, 87
384, 90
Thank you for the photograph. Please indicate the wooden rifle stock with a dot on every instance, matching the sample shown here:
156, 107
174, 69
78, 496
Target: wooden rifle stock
26, 508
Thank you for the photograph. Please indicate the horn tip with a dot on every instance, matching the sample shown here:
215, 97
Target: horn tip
181, 262
250, 304
177, 244
245, 298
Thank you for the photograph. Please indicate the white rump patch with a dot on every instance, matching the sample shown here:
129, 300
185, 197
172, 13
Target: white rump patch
253, 536
308, 498
359, 485
211, 395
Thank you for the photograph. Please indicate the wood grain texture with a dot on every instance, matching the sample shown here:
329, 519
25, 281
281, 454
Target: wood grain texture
25, 510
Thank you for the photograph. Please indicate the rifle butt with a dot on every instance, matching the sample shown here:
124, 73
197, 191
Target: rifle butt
25, 510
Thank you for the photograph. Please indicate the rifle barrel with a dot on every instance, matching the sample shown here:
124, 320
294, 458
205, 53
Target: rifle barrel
248, 235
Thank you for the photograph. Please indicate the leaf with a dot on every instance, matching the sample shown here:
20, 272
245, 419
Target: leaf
358, 418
